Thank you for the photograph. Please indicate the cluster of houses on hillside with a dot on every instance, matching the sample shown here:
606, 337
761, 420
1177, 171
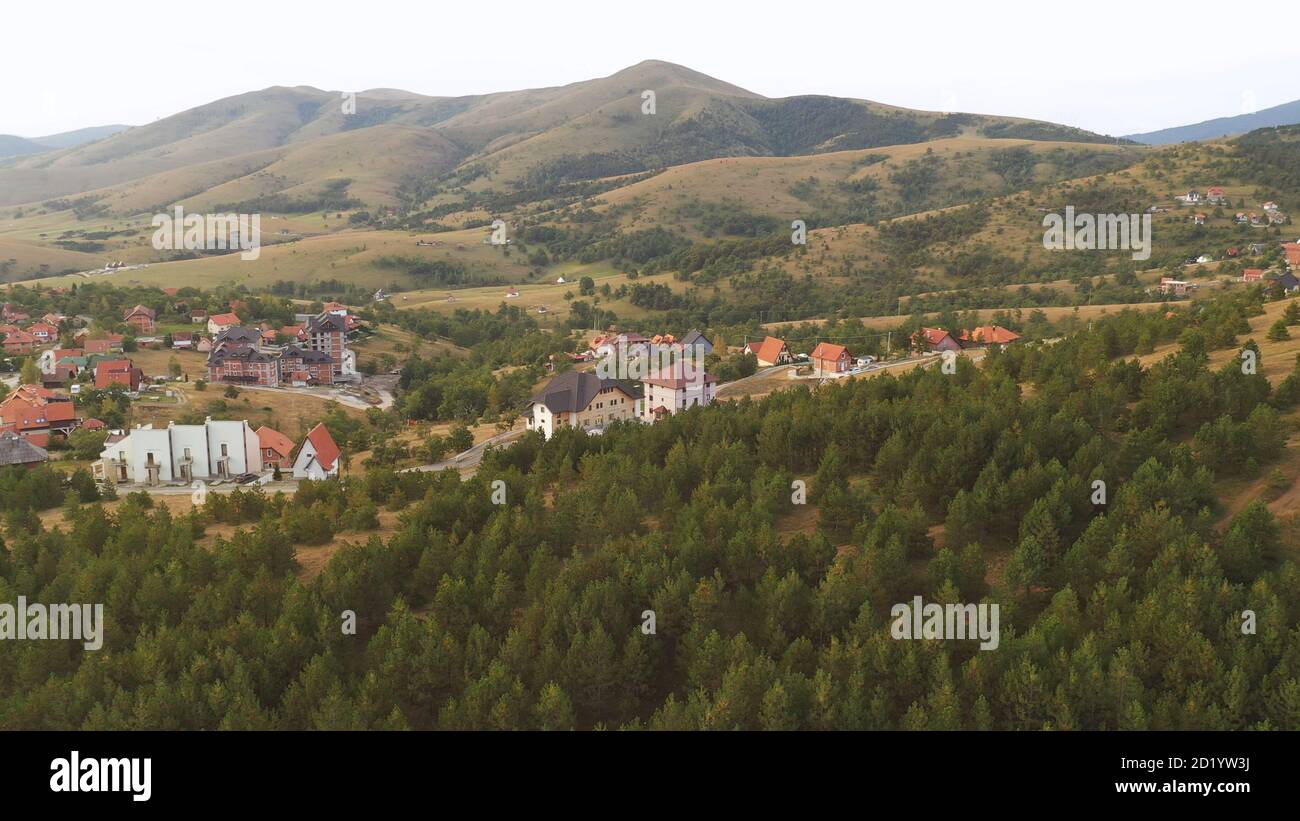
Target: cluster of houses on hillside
214, 450
319, 354
645, 378
1217, 196
590, 401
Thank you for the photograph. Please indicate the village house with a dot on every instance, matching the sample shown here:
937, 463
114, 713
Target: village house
112, 343
1288, 282
319, 456
37, 413
180, 453
771, 351
1252, 275
19, 342
695, 339
122, 372
829, 359
183, 340
142, 319
15, 451
580, 400
936, 339
663, 396
222, 322
986, 335
43, 332
1216, 196
1177, 287
1292, 251
1199, 219
1242, 218
198, 316
277, 449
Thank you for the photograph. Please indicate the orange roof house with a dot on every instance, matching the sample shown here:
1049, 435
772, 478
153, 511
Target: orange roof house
991, 335
221, 322
37, 413
772, 351
44, 332
1292, 253
829, 359
1252, 275
19, 342
118, 372
277, 449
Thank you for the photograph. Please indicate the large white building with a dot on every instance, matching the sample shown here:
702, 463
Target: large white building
663, 396
180, 453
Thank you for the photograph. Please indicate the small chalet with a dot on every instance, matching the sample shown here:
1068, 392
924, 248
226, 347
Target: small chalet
277, 449
829, 359
319, 456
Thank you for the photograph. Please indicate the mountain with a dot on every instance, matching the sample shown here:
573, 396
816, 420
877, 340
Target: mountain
507, 140
71, 139
1285, 114
13, 146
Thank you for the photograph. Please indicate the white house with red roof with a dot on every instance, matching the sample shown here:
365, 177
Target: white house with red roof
319, 456
222, 322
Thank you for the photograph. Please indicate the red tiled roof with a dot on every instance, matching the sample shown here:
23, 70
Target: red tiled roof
935, 335
827, 350
327, 452
771, 349
224, 319
993, 334
271, 438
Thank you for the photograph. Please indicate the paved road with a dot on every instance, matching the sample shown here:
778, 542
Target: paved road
472, 457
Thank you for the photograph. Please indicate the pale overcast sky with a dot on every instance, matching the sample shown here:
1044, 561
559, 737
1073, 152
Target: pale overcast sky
1112, 67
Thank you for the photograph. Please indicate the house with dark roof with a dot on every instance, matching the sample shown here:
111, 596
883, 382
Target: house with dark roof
300, 366
243, 365
1289, 282
15, 451
695, 338
581, 400
327, 333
